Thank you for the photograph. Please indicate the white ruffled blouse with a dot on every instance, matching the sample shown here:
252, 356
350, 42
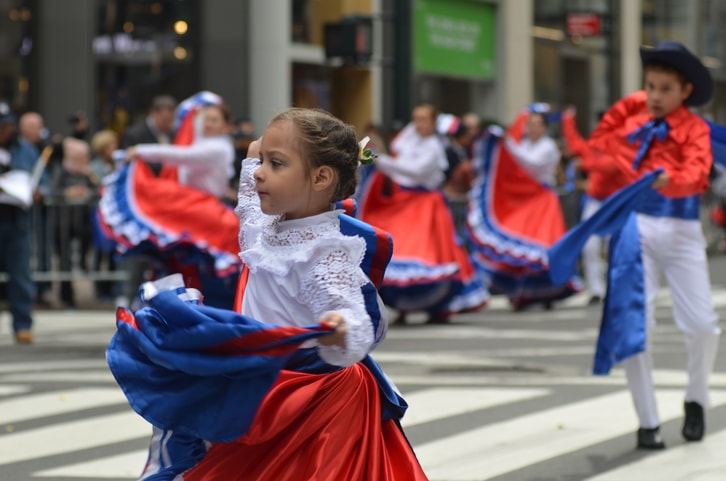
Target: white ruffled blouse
302, 269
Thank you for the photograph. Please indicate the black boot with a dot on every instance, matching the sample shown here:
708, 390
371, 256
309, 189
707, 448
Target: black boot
693, 425
650, 438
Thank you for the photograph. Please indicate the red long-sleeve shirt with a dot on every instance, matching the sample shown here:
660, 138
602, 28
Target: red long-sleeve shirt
599, 184
685, 154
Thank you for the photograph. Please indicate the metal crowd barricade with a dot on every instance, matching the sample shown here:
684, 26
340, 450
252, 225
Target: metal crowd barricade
63, 247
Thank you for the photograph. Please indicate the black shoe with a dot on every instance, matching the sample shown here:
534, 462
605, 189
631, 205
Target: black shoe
594, 301
650, 438
438, 319
693, 425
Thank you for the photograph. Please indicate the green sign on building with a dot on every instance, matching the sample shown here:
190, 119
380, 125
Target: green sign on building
454, 37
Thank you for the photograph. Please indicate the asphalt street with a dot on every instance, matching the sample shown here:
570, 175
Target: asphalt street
496, 395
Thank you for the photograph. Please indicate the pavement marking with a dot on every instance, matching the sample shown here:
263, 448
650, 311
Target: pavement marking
128, 465
58, 402
43, 366
10, 389
71, 436
704, 461
61, 376
425, 406
472, 455
499, 448
663, 378
663, 299
459, 331
432, 404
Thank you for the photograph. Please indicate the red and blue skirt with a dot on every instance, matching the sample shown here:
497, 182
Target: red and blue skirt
430, 270
512, 221
186, 230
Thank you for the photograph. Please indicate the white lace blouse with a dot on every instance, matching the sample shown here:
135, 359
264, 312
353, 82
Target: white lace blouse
302, 269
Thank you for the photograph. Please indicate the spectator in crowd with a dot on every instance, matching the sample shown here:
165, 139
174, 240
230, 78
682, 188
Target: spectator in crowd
157, 127
103, 144
32, 129
17, 158
79, 125
74, 188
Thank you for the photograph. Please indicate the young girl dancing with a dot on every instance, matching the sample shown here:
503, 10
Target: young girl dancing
331, 414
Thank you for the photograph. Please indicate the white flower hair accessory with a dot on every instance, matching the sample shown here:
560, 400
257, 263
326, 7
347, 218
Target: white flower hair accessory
365, 156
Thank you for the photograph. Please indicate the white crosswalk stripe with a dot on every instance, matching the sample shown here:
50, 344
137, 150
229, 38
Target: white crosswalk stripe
71, 436
479, 452
494, 419
677, 463
489, 451
718, 297
127, 465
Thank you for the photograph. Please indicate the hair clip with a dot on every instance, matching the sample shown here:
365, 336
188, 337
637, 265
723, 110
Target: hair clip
365, 156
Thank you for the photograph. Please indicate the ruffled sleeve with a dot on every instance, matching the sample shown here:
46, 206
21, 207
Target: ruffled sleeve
333, 284
251, 217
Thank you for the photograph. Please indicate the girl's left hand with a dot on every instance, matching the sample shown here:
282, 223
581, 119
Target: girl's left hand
660, 181
336, 338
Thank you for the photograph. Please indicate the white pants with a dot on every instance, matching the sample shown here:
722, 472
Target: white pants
675, 249
592, 263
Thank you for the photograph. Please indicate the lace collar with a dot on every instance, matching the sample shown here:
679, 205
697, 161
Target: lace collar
299, 231
283, 244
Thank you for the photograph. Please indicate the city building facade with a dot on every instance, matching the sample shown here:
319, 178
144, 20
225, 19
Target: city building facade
110, 57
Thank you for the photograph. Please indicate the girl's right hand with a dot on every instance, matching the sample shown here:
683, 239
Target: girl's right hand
253, 151
337, 337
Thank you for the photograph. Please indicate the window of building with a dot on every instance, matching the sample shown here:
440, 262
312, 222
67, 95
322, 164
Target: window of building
17, 53
141, 49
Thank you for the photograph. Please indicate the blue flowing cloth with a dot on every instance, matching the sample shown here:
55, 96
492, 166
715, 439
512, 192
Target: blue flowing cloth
622, 330
199, 370
202, 372
718, 142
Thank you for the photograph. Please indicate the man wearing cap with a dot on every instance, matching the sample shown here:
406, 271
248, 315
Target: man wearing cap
654, 129
17, 158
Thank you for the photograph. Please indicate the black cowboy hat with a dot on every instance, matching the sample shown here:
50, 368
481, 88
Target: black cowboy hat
677, 56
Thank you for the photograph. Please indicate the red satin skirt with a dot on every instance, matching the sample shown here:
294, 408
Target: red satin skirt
316, 427
419, 222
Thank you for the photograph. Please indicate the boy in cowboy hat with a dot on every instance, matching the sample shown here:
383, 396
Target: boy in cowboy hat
644, 131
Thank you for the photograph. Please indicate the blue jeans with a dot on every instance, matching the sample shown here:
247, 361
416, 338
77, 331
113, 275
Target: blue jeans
15, 242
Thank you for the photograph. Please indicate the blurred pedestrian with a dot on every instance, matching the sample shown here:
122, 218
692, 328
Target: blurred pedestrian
17, 158
74, 189
536, 152
32, 128
103, 145
79, 125
514, 212
429, 270
156, 128
598, 187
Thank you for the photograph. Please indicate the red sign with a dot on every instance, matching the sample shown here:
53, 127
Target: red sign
584, 24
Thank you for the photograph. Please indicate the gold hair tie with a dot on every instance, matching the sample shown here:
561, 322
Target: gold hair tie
365, 156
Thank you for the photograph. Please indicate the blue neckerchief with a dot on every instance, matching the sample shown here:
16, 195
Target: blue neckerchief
645, 134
